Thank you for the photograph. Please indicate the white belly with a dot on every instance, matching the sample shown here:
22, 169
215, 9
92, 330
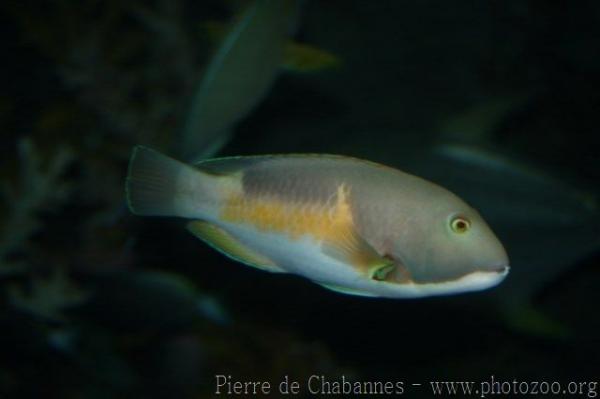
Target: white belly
300, 256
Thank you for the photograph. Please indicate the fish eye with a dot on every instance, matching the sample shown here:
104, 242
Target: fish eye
460, 224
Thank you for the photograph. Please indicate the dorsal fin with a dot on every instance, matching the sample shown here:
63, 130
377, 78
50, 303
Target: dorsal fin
228, 165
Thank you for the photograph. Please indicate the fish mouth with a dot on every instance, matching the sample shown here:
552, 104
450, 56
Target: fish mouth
490, 277
501, 269
482, 279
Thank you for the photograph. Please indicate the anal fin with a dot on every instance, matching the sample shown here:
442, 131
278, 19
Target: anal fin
347, 291
224, 242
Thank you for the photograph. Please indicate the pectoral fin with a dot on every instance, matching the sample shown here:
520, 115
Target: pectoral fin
352, 249
230, 246
382, 272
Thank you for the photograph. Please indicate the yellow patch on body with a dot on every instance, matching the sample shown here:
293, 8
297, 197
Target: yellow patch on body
320, 221
330, 223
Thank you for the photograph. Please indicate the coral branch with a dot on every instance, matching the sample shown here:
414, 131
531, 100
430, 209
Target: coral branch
39, 187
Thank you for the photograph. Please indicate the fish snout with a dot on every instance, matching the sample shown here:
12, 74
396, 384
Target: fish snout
496, 262
501, 269
497, 272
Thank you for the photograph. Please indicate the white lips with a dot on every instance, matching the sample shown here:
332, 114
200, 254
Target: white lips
480, 280
476, 281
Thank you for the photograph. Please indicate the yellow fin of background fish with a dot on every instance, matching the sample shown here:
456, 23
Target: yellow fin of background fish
225, 243
526, 318
297, 57
301, 57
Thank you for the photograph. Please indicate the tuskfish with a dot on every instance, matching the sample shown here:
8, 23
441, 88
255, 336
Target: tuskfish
350, 225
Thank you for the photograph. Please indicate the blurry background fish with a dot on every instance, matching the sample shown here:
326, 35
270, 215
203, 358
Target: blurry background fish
238, 76
495, 101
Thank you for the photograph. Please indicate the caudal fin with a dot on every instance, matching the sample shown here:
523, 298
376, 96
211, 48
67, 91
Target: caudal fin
156, 184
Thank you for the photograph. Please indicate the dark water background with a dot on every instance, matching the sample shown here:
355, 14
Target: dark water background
99, 303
